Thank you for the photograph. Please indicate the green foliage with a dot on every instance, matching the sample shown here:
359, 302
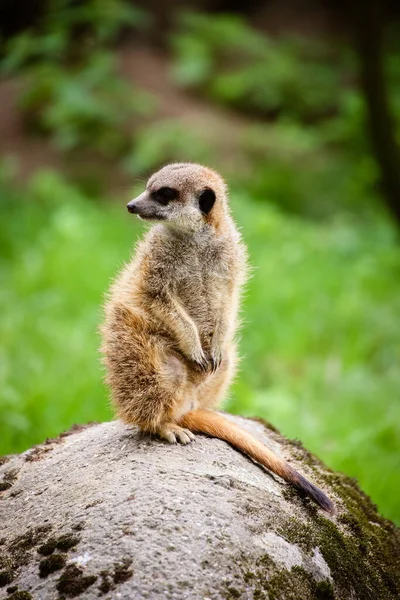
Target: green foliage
320, 339
294, 168
163, 142
71, 89
234, 64
70, 30
84, 106
309, 154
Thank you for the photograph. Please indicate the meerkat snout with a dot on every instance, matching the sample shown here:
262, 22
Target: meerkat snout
131, 206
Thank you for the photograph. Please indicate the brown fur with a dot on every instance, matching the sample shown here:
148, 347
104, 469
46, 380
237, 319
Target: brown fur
171, 318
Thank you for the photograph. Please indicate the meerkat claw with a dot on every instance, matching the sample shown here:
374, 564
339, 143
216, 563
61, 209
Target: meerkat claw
190, 435
204, 365
169, 437
173, 434
215, 363
185, 436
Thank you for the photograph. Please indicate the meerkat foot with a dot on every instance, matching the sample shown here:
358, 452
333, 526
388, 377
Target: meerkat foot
173, 433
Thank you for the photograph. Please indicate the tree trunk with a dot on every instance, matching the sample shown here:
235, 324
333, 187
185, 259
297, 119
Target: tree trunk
368, 19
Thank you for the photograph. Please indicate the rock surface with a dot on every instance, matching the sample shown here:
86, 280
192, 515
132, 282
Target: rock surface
103, 511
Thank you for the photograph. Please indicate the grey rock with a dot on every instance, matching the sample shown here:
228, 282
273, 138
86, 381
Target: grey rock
103, 511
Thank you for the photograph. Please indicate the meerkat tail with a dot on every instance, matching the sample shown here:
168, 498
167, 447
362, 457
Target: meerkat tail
215, 425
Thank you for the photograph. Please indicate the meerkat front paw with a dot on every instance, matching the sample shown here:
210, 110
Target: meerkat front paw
201, 360
173, 433
216, 359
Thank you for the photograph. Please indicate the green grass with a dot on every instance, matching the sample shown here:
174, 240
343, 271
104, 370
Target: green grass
320, 340
58, 251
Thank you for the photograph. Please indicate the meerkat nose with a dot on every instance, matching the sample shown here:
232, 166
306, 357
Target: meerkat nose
132, 208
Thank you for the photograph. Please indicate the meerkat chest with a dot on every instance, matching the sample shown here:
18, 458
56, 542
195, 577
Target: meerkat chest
203, 266
203, 283
199, 288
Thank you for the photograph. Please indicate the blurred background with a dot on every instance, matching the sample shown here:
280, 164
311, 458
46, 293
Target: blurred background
297, 103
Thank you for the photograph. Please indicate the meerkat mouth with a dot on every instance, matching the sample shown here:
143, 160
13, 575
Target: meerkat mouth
151, 217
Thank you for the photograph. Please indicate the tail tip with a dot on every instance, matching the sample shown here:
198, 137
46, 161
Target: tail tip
325, 503
322, 500
315, 493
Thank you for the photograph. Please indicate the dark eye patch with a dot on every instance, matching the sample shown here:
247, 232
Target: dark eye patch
206, 200
164, 195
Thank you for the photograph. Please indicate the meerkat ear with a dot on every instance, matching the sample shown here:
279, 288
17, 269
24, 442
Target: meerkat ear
206, 200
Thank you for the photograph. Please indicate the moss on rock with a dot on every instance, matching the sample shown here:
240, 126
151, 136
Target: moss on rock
6, 577
64, 542
67, 541
106, 584
368, 562
266, 424
9, 478
53, 563
73, 582
269, 582
122, 572
20, 595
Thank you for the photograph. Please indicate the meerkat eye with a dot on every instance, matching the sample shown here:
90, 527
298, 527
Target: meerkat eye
206, 200
164, 195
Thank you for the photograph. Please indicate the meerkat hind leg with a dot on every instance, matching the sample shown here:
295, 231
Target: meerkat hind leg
173, 433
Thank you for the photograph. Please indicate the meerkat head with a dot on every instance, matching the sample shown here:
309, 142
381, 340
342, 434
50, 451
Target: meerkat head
184, 195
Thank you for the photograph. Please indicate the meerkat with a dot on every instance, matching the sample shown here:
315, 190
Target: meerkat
172, 314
